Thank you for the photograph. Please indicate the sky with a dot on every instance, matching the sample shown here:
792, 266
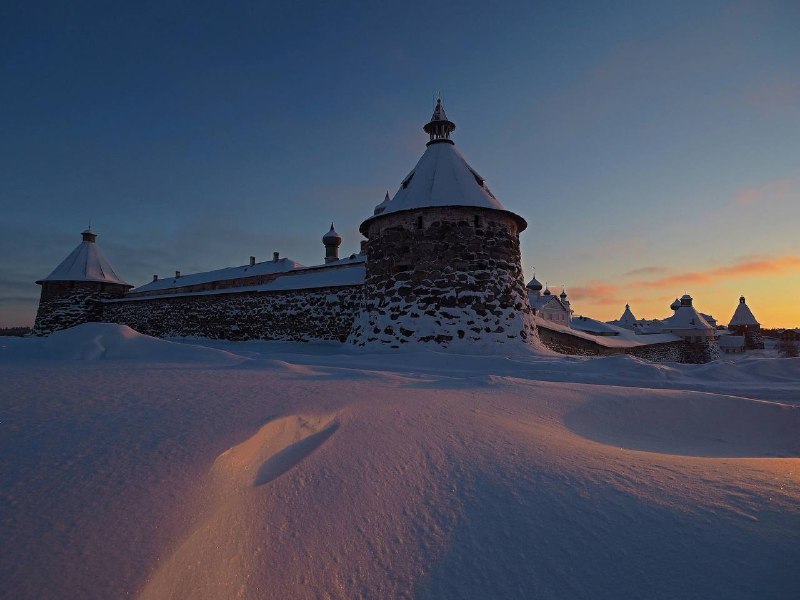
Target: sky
653, 147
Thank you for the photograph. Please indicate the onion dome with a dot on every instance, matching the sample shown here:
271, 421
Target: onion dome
332, 237
675, 305
534, 285
85, 263
563, 294
546, 292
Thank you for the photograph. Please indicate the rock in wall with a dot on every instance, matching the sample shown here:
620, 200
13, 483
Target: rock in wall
65, 304
295, 315
450, 276
677, 351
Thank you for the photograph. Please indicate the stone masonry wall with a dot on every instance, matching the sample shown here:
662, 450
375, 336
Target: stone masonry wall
449, 275
65, 304
295, 315
677, 351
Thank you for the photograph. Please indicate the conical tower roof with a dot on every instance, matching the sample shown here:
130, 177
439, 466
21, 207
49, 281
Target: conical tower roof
743, 315
441, 177
85, 263
627, 316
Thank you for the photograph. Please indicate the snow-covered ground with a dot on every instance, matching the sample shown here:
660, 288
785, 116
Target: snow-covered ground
136, 467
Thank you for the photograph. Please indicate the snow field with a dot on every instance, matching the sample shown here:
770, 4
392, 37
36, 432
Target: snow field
152, 469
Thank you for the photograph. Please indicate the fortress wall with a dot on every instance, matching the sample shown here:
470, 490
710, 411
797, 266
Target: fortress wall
293, 315
677, 351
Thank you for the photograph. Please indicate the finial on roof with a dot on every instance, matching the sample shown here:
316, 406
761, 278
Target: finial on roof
741, 299
439, 127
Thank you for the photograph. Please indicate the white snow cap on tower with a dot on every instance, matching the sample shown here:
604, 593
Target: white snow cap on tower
442, 177
743, 315
85, 263
627, 317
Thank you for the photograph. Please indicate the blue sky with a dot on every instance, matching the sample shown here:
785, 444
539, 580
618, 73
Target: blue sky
640, 140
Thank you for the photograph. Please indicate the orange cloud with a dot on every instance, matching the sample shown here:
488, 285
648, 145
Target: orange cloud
604, 296
767, 266
773, 191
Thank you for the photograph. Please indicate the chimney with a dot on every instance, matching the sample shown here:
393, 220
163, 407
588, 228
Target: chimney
276, 256
155, 277
177, 274
252, 261
363, 247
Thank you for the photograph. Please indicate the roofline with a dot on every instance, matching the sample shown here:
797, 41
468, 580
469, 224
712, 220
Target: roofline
41, 281
523, 224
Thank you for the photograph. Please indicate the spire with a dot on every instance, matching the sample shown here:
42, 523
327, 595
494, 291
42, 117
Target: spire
439, 127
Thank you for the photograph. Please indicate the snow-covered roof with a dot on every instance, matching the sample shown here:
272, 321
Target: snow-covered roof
263, 268
593, 326
686, 317
382, 206
442, 177
332, 236
618, 338
731, 341
743, 315
539, 302
347, 272
627, 316
85, 263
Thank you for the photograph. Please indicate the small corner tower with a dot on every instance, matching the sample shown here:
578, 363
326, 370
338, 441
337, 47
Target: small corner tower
443, 260
744, 323
331, 240
69, 291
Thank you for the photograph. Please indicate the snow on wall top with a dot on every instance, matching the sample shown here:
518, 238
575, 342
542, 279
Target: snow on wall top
85, 263
442, 177
743, 315
263, 268
348, 272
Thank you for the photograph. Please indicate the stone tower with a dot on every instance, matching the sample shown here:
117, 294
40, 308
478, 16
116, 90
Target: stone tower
443, 259
67, 293
745, 324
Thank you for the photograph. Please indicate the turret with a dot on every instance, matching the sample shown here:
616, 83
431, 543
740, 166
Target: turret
443, 246
69, 292
332, 241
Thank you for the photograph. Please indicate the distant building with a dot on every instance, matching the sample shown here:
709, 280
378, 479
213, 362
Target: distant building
744, 323
546, 305
731, 344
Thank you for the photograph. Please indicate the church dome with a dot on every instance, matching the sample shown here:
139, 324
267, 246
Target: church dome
534, 285
332, 237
